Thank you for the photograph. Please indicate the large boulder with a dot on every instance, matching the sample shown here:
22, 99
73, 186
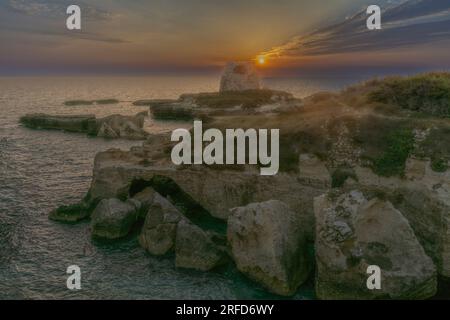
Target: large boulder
196, 248
239, 76
115, 171
353, 233
423, 197
113, 219
146, 198
268, 245
160, 227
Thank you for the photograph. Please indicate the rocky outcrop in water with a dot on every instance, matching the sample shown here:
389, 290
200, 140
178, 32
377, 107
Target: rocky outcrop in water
113, 127
353, 233
78, 123
268, 245
160, 228
198, 249
203, 184
166, 230
113, 219
398, 218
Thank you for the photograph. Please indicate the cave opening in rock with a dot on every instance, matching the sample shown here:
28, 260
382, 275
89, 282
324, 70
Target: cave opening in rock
168, 188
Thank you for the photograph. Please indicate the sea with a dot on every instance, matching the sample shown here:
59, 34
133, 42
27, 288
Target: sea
41, 170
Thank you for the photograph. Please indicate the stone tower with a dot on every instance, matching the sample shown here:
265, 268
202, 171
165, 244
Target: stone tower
239, 76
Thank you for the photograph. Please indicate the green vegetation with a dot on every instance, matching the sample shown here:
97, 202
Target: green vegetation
371, 124
428, 94
72, 103
400, 144
437, 147
247, 99
439, 164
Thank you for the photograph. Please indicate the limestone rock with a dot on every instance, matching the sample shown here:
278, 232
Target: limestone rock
146, 198
115, 170
268, 246
120, 126
106, 131
353, 233
196, 248
114, 126
415, 169
160, 227
313, 172
113, 219
239, 76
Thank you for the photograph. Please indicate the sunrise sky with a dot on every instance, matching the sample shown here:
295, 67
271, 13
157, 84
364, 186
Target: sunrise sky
192, 35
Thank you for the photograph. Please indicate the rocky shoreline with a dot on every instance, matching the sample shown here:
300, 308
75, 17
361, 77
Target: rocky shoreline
361, 200
112, 127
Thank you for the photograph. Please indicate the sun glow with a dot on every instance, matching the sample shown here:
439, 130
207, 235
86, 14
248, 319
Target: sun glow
261, 60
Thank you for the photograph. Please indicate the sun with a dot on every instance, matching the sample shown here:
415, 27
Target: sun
261, 60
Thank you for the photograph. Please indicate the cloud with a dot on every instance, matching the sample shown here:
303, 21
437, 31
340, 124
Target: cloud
409, 23
69, 34
45, 8
46, 19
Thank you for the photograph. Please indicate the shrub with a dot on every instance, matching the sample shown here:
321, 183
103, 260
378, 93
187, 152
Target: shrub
426, 93
439, 164
400, 144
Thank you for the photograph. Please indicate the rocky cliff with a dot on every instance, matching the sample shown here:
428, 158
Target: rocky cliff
366, 182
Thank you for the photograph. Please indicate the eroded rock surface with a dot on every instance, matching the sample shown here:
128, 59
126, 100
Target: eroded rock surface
116, 170
268, 245
239, 76
198, 249
160, 228
113, 127
113, 219
353, 233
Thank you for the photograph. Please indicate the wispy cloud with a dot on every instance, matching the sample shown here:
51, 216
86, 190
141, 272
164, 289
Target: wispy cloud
47, 19
410, 23
38, 8
68, 35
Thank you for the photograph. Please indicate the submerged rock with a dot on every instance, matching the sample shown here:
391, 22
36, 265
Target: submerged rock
268, 245
77, 123
113, 219
353, 233
71, 213
239, 76
152, 102
196, 248
90, 102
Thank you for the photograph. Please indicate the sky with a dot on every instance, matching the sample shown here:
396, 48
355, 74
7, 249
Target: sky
121, 36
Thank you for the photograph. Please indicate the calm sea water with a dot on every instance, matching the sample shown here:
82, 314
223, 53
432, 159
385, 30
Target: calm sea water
40, 170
